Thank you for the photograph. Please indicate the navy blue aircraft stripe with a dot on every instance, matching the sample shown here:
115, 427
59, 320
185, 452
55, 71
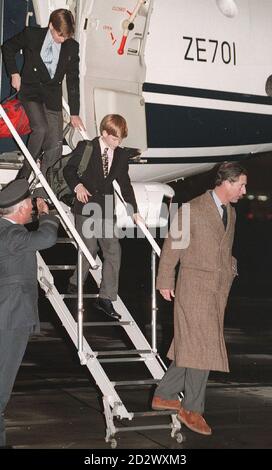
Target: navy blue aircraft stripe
188, 159
170, 126
203, 93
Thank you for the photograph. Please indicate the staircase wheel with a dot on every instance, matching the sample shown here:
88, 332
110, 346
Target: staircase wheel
179, 437
113, 443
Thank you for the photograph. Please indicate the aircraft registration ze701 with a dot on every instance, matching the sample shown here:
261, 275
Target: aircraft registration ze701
189, 76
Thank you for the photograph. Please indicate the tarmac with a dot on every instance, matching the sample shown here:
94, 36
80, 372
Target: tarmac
56, 405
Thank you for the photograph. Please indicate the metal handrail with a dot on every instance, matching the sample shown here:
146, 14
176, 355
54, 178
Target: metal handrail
155, 250
140, 224
116, 187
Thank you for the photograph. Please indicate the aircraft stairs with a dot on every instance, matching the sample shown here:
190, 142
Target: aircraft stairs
96, 360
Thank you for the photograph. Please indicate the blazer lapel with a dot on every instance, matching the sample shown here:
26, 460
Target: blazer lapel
62, 58
97, 160
213, 215
114, 162
37, 49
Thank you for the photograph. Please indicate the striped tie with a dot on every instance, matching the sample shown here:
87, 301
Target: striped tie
105, 162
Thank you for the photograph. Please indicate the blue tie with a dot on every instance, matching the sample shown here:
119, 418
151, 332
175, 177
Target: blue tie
48, 59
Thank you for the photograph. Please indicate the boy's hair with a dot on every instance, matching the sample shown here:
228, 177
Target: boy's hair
114, 124
229, 171
63, 22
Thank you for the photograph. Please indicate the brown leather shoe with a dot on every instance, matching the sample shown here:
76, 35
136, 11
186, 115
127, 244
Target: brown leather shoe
194, 421
159, 403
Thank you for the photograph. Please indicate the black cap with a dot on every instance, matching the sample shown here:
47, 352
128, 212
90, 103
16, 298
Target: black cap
14, 192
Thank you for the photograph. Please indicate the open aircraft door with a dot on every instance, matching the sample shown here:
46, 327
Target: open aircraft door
112, 67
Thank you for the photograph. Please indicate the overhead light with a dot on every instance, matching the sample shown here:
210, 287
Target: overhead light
227, 7
262, 197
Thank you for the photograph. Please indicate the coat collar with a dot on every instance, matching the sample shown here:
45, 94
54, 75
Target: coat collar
62, 59
116, 155
213, 215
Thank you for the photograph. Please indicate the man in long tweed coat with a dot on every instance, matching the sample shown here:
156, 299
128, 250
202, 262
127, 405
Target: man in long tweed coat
207, 269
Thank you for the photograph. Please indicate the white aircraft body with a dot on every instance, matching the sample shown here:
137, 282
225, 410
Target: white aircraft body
189, 77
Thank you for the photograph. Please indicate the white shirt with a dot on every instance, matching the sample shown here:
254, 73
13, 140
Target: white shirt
55, 52
11, 221
218, 203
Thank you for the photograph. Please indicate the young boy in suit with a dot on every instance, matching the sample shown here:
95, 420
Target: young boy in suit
108, 162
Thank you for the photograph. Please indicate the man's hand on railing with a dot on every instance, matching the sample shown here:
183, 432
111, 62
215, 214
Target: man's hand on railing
77, 123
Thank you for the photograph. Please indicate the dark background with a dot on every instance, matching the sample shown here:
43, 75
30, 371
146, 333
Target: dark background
250, 300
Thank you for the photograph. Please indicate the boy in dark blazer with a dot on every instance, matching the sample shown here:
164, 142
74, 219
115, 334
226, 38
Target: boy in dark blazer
95, 194
18, 280
50, 54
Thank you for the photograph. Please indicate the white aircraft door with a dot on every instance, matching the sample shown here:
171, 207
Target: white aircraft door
112, 69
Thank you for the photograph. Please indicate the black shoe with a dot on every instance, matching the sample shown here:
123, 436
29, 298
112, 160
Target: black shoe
71, 289
106, 306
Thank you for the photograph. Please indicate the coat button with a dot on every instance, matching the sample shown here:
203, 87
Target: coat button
35, 70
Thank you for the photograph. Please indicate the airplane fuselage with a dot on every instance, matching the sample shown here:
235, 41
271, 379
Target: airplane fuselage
189, 77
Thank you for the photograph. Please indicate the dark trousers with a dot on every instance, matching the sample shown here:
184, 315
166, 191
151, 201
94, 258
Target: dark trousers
45, 140
111, 257
12, 348
191, 382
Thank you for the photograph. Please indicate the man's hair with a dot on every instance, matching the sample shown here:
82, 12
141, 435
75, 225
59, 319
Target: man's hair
63, 22
229, 171
12, 209
114, 124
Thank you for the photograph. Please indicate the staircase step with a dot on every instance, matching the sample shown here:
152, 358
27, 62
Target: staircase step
10, 166
61, 267
13, 157
124, 352
75, 296
144, 414
108, 323
121, 383
123, 359
11, 160
142, 428
65, 240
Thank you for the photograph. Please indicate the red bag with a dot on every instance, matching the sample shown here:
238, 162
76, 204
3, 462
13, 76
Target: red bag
18, 117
